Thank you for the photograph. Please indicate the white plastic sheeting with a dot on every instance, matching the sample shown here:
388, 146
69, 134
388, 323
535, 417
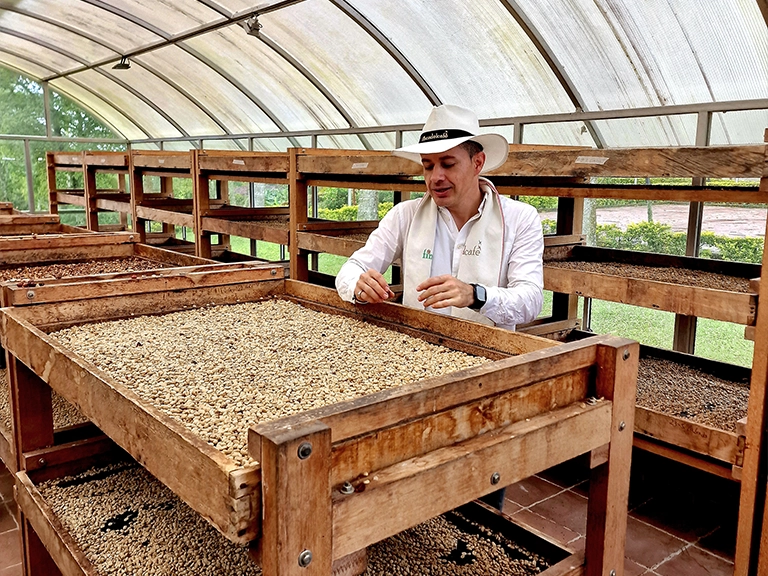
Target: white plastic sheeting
318, 65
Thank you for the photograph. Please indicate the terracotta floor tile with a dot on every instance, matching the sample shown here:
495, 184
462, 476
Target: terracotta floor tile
633, 568
566, 508
531, 490
721, 542
511, 507
14, 570
648, 545
557, 532
10, 548
7, 518
682, 514
694, 561
569, 473
577, 545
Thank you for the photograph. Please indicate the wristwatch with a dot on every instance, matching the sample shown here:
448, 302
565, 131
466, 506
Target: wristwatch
479, 295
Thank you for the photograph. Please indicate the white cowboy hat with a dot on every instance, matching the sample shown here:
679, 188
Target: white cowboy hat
449, 126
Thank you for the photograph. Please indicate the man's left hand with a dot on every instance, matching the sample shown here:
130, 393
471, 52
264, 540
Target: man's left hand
444, 291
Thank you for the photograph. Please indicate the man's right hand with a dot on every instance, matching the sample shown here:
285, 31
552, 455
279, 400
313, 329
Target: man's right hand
372, 288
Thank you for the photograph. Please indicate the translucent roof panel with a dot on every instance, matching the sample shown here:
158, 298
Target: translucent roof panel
54, 35
113, 117
342, 141
190, 117
374, 88
150, 119
279, 144
180, 145
652, 131
23, 65
238, 145
280, 86
739, 127
234, 108
171, 16
88, 19
627, 54
560, 134
27, 49
474, 54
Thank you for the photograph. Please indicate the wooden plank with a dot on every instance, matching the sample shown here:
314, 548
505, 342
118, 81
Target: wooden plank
35, 561
201, 202
28, 219
298, 205
113, 204
707, 440
72, 199
368, 183
362, 163
7, 453
488, 337
735, 194
320, 243
168, 256
334, 226
298, 520
242, 213
60, 454
31, 410
739, 308
160, 159
42, 242
69, 253
167, 216
259, 162
609, 482
551, 240
664, 162
421, 399
385, 447
194, 470
106, 160
73, 159
160, 280
571, 566
63, 549
693, 460
465, 470
254, 230
50, 162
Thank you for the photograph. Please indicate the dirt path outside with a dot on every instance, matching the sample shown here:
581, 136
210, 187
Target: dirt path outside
722, 220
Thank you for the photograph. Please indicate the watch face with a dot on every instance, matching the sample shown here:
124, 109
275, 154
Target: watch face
481, 293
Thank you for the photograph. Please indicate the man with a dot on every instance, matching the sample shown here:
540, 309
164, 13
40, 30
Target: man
466, 251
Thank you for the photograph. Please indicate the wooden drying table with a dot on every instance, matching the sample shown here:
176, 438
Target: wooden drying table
499, 422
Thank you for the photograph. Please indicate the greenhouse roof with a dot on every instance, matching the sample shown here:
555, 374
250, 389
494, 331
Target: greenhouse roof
202, 69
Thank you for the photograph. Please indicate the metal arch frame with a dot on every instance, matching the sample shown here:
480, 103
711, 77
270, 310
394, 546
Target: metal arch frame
554, 64
104, 44
389, 47
179, 42
316, 82
119, 82
106, 122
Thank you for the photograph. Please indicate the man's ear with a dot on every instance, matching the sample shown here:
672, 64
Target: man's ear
478, 162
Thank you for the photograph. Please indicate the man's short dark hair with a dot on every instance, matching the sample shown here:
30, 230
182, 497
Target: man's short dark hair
471, 147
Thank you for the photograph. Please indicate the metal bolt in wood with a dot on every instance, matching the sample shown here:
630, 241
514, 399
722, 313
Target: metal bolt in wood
622, 425
305, 558
30, 294
305, 450
347, 488
626, 354
495, 478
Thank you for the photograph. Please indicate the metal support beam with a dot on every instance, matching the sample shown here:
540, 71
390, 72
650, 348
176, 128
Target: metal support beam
30, 181
685, 326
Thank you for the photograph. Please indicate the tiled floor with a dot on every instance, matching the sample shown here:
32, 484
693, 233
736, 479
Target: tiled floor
10, 549
682, 522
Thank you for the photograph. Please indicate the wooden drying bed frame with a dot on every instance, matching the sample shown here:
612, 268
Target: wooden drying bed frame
28, 224
699, 445
217, 215
49, 250
515, 417
728, 306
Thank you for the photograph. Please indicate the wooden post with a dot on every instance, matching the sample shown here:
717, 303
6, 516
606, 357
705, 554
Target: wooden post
609, 481
89, 185
53, 203
752, 525
298, 210
139, 225
298, 515
201, 204
36, 561
166, 191
32, 410
570, 216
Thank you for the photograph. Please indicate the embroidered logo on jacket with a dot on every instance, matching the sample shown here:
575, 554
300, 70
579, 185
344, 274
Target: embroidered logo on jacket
475, 251
427, 254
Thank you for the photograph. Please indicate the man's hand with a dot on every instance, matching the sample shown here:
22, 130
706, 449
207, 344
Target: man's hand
372, 288
444, 291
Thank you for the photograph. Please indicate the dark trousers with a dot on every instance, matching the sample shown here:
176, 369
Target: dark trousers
495, 499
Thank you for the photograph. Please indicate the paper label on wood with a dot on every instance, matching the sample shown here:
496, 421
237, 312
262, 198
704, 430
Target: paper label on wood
238, 162
591, 160
359, 165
